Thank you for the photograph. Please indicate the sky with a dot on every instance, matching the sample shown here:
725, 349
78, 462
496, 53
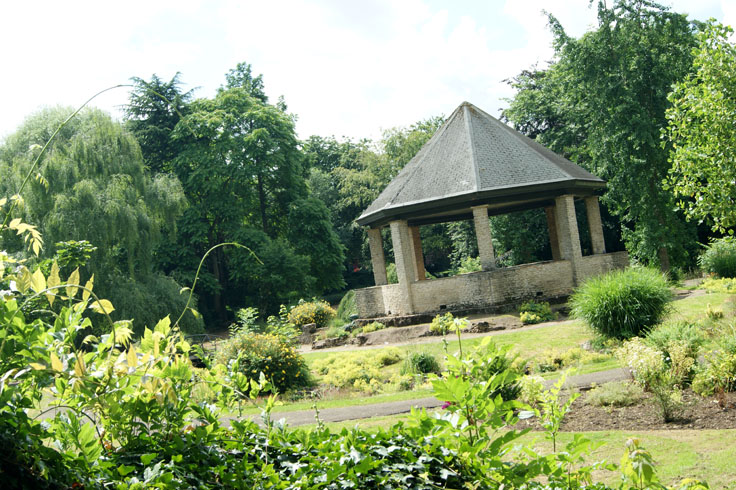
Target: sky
345, 68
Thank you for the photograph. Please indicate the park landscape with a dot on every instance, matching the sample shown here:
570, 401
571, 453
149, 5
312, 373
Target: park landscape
178, 290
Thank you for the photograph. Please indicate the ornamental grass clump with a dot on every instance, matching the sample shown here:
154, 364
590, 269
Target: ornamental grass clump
623, 304
719, 258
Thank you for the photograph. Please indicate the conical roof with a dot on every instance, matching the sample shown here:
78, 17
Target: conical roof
475, 159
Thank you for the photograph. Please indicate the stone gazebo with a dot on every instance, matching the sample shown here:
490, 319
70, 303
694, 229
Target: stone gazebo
475, 166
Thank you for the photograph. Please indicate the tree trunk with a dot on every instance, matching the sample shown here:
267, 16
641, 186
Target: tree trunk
664, 259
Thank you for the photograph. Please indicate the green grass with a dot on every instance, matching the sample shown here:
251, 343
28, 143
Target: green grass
693, 308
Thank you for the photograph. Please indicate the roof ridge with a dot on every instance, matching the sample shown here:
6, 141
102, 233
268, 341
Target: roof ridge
473, 162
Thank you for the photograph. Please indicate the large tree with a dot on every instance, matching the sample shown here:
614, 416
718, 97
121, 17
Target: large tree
702, 130
603, 103
95, 187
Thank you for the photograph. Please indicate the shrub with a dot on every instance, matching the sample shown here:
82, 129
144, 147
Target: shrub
442, 324
252, 354
532, 312
685, 334
347, 307
372, 327
392, 277
718, 375
306, 312
724, 285
469, 264
622, 304
335, 332
615, 394
357, 370
719, 257
246, 320
531, 388
420, 363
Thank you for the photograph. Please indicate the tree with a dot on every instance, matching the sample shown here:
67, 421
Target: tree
153, 111
702, 122
603, 103
95, 188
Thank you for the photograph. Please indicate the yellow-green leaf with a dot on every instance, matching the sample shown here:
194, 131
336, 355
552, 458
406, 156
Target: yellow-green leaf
102, 306
37, 366
132, 357
79, 368
88, 287
38, 281
73, 283
3, 201
56, 364
195, 313
53, 279
23, 280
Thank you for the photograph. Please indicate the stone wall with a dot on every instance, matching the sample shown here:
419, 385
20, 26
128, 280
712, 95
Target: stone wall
478, 290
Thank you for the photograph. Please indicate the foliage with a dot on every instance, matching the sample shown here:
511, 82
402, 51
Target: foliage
663, 376
622, 304
443, 324
73, 254
373, 327
247, 321
532, 312
615, 394
700, 130
553, 360
347, 307
420, 363
312, 235
725, 285
680, 334
358, 370
468, 265
531, 389
391, 275
552, 409
609, 119
719, 258
305, 312
718, 372
272, 355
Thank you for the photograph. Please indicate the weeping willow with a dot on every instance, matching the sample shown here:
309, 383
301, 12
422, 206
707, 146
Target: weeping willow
93, 186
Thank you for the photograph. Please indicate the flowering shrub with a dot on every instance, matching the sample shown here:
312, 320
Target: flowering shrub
372, 327
724, 285
645, 362
318, 312
272, 355
531, 388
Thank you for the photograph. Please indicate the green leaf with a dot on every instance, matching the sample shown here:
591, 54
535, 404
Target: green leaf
147, 458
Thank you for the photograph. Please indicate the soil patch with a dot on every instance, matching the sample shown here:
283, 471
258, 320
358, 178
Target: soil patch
701, 413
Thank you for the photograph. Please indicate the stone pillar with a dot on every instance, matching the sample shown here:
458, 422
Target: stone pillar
567, 228
554, 242
594, 224
404, 259
416, 245
375, 241
483, 235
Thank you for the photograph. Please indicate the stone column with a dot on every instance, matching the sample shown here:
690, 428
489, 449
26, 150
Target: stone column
416, 245
567, 228
483, 235
375, 241
554, 242
594, 224
404, 259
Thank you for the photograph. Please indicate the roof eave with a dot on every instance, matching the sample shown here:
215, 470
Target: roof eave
580, 187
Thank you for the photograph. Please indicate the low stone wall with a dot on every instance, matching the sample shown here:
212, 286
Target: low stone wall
487, 289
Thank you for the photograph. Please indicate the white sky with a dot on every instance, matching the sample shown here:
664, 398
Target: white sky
346, 68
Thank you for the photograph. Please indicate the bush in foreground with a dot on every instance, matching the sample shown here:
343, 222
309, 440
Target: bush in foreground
622, 304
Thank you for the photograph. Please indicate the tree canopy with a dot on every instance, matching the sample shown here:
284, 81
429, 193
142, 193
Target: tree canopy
701, 131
